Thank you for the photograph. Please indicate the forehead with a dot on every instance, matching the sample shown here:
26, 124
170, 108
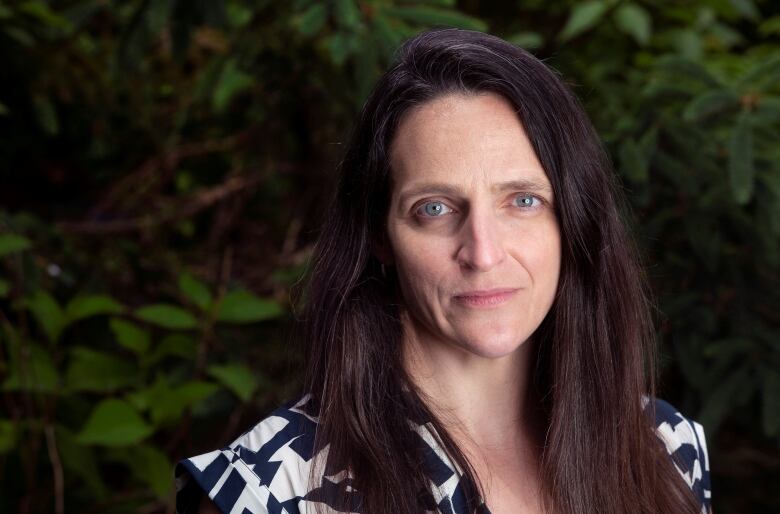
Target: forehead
460, 138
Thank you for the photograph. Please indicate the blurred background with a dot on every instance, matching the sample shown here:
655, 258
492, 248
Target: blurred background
165, 165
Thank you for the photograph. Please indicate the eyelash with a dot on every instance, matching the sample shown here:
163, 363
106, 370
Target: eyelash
419, 208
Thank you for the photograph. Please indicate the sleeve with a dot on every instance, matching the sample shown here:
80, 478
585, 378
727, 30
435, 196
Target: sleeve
227, 480
686, 444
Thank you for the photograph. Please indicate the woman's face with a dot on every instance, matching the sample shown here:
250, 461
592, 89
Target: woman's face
471, 226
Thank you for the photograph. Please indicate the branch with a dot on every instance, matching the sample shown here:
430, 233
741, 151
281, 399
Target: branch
188, 208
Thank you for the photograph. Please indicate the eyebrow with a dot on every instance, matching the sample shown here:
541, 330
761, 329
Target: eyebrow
448, 189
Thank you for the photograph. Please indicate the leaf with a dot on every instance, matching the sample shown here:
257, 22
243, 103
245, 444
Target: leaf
340, 46
741, 166
771, 402
633, 164
747, 9
724, 397
634, 20
169, 403
91, 370
8, 436
167, 316
526, 39
47, 312
677, 66
114, 423
347, 13
130, 335
179, 345
44, 14
433, 16
152, 467
3, 109
46, 115
34, 373
87, 306
583, 16
312, 19
242, 306
4, 288
763, 75
237, 378
80, 460
13, 243
195, 291
710, 103
231, 82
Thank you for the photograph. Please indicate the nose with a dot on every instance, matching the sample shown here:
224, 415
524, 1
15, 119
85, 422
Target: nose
481, 245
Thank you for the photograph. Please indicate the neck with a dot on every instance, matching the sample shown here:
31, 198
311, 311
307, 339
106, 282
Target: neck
483, 402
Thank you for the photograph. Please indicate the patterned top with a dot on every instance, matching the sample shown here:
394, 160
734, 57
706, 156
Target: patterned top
266, 470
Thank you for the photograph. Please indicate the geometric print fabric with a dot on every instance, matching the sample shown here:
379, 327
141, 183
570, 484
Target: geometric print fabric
266, 470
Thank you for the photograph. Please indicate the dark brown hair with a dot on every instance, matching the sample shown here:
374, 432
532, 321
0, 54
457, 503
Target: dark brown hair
596, 354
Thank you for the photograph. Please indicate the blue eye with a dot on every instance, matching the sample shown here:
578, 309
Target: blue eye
433, 209
526, 200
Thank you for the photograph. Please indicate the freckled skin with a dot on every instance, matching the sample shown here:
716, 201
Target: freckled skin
473, 236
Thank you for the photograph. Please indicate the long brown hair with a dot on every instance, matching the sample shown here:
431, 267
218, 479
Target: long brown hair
596, 354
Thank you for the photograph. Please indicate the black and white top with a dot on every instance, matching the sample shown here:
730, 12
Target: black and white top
267, 469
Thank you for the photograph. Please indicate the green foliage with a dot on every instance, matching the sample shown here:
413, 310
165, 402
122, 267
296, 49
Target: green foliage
168, 165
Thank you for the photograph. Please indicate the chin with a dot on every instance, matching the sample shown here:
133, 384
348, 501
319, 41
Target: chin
494, 347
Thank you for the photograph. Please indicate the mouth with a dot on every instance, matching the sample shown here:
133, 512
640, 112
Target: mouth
485, 298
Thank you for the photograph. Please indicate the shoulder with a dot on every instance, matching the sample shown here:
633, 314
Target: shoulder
266, 469
686, 444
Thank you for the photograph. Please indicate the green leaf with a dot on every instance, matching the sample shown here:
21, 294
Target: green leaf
87, 306
91, 370
47, 312
195, 291
633, 164
312, 19
46, 115
741, 165
114, 423
634, 20
347, 13
3, 109
169, 403
231, 82
35, 373
152, 467
237, 378
710, 103
771, 402
747, 9
584, 16
770, 26
79, 459
8, 436
763, 75
130, 335
242, 306
526, 39
4, 288
725, 397
340, 46
167, 316
432, 16
179, 345
12, 243
44, 14
677, 66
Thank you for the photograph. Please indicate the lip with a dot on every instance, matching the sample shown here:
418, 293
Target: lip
485, 297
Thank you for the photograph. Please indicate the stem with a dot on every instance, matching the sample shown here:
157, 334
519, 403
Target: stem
56, 466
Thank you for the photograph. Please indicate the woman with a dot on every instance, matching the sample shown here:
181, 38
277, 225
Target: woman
477, 331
